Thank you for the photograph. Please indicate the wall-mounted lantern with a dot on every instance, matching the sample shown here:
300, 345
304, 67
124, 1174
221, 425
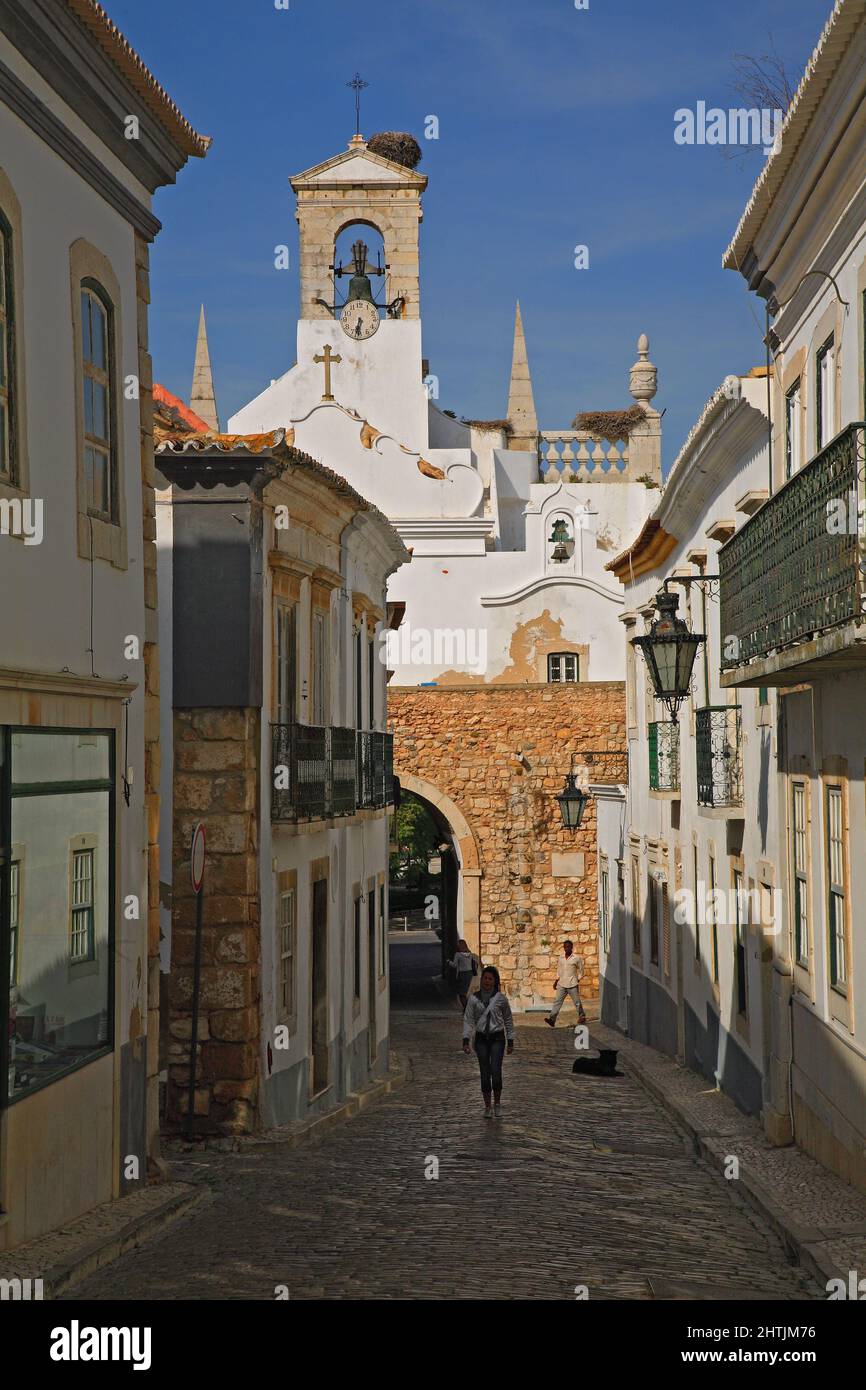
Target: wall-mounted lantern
572, 803
669, 650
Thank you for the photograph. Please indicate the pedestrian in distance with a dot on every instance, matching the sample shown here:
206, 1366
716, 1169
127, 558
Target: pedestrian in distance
465, 966
488, 1013
567, 983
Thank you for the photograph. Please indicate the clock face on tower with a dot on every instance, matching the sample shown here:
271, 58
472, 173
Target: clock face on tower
359, 318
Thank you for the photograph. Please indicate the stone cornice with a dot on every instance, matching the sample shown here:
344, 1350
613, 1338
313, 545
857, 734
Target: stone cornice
65, 683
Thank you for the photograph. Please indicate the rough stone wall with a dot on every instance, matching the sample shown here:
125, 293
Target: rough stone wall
323, 212
216, 780
464, 743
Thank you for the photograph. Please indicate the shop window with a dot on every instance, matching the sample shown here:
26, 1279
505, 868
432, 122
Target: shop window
57, 794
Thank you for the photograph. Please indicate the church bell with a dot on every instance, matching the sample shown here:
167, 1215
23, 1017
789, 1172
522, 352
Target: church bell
359, 285
360, 288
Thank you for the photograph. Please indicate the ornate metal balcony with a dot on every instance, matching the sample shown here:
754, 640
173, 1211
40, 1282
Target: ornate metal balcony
322, 773
364, 768
718, 754
664, 756
342, 771
795, 571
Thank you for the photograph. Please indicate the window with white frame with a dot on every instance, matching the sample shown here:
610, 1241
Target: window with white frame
286, 946
97, 351
8, 402
14, 918
793, 456
800, 864
82, 943
286, 663
698, 913
356, 949
320, 670
383, 931
358, 680
740, 958
604, 906
635, 906
563, 667
836, 905
713, 922
825, 391
652, 888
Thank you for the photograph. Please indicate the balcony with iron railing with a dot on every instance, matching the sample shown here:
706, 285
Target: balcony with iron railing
719, 758
664, 757
322, 774
792, 581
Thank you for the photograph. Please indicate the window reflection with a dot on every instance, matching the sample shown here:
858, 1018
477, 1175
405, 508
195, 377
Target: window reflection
58, 907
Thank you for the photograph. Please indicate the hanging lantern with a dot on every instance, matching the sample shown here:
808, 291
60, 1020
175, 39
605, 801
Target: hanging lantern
572, 803
669, 650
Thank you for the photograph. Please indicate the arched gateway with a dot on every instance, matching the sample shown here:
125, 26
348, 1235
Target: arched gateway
466, 848
489, 762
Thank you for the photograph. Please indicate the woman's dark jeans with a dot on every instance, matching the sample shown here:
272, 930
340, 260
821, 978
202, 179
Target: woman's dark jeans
489, 1049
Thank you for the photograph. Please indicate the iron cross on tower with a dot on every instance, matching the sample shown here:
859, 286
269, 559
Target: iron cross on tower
357, 84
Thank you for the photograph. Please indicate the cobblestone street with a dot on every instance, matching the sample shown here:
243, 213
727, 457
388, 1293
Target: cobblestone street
584, 1181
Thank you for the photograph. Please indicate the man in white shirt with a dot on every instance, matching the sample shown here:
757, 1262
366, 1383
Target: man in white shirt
567, 982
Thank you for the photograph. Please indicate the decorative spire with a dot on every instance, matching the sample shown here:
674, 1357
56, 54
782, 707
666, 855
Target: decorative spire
643, 379
521, 404
202, 399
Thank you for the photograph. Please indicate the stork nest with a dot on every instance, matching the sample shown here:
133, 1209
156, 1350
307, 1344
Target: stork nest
614, 425
504, 425
396, 145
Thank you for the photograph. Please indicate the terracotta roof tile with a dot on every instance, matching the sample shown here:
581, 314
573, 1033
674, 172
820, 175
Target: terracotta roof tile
124, 57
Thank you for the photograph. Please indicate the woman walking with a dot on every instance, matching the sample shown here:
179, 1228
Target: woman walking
465, 965
489, 1013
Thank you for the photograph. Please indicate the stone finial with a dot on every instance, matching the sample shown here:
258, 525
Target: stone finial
521, 402
202, 399
643, 378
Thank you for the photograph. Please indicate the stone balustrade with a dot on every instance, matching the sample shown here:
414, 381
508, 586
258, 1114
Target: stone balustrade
576, 456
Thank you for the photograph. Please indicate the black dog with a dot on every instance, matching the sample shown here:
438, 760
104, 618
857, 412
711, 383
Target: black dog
602, 1065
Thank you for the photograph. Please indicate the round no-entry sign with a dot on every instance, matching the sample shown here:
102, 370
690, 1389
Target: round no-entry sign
196, 856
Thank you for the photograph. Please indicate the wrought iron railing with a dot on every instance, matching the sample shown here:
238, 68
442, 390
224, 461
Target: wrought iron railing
718, 754
330, 772
364, 768
342, 771
796, 568
664, 756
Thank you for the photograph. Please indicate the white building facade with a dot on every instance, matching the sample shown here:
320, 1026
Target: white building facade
763, 990
79, 873
688, 848
792, 592
273, 574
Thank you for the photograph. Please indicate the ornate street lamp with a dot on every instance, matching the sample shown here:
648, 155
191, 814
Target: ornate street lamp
669, 650
572, 803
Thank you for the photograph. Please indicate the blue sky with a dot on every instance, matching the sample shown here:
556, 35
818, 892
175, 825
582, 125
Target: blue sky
556, 129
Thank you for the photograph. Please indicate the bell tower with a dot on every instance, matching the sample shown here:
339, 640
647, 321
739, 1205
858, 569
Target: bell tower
360, 186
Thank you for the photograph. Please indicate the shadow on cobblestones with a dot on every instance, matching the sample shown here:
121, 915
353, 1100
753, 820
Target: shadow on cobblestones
585, 1182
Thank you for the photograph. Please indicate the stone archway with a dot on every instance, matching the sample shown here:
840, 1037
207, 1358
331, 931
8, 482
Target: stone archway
467, 848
